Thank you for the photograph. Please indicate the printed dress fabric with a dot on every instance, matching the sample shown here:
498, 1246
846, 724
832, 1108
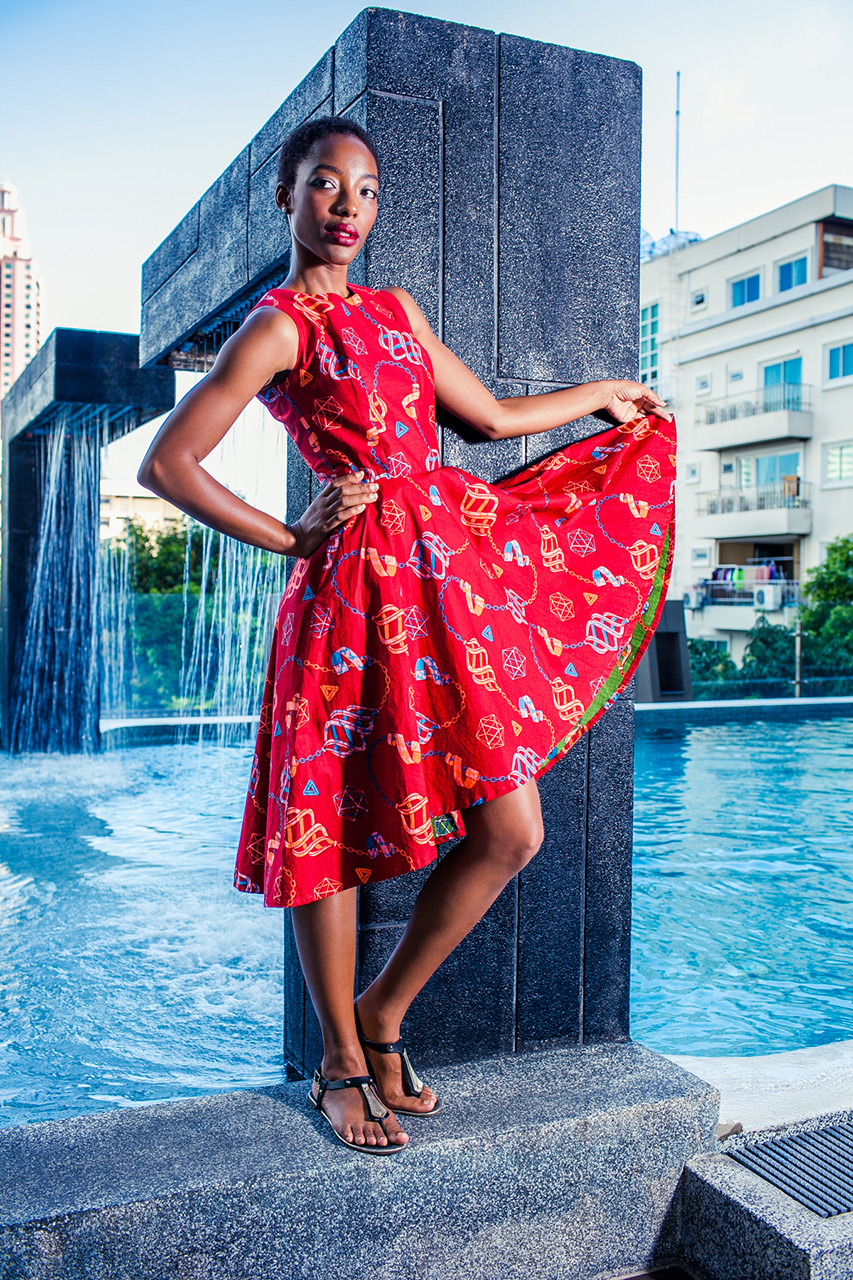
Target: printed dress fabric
454, 639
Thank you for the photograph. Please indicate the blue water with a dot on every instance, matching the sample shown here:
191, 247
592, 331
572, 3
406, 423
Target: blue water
131, 972
743, 887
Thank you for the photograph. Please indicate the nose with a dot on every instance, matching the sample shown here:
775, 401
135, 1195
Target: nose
345, 202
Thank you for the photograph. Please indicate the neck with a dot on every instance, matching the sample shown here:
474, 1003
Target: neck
317, 277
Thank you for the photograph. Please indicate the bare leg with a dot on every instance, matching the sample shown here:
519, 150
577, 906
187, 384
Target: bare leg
325, 939
502, 835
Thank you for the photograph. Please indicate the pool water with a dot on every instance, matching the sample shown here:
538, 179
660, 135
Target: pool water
743, 886
131, 972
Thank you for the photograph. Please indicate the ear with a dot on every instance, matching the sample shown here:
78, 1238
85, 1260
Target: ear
283, 199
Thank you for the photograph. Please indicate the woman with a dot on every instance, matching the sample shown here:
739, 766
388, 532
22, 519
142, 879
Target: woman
423, 643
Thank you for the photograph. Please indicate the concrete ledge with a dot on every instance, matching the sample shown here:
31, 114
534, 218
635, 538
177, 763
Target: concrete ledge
562, 1163
778, 1088
729, 709
738, 1225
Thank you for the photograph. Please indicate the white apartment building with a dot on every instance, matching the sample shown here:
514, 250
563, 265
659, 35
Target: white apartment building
20, 317
749, 337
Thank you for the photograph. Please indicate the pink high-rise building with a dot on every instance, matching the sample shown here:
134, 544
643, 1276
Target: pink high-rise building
19, 291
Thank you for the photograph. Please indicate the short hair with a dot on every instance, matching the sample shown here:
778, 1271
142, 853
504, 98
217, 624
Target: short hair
299, 142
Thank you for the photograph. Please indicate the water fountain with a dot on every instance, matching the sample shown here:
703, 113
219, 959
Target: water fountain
82, 390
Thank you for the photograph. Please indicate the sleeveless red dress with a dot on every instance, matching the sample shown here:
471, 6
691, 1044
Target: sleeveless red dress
453, 640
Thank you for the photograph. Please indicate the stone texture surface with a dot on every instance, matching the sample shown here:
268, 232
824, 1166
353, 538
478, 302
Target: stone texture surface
560, 1164
521, 247
80, 367
737, 1225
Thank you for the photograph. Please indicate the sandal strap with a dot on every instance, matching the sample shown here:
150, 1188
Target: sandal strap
387, 1046
412, 1082
375, 1107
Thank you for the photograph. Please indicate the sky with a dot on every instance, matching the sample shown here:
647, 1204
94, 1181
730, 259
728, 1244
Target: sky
116, 118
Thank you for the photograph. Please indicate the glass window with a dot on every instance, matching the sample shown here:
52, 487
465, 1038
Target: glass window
771, 468
838, 463
746, 290
841, 361
767, 468
782, 389
792, 273
649, 345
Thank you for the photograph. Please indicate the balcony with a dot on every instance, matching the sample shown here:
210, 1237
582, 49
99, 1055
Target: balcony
736, 606
783, 412
761, 511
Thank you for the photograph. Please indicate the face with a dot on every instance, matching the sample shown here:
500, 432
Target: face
333, 202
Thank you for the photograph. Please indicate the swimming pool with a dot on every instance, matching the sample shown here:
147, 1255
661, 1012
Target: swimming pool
131, 972
743, 886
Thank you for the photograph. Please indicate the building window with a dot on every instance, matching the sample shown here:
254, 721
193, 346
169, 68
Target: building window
840, 361
692, 473
649, 345
792, 274
699, 300
838, 463
767, 468
782, 385
746, 290
837, 244
703, 384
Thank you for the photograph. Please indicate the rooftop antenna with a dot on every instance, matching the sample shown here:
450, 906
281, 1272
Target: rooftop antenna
677, 133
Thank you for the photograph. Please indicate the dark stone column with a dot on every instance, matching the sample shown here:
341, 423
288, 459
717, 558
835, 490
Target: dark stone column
510, 210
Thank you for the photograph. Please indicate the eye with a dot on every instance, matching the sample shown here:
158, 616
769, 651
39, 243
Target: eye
370, 192
322, 182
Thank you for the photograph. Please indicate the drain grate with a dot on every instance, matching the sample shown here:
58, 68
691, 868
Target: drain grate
815, 1167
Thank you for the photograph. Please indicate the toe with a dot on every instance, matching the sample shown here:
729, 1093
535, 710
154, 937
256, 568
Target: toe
395, 1134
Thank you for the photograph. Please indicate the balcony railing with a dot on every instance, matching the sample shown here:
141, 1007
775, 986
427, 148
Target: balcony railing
760, 497
778, 592
794, 396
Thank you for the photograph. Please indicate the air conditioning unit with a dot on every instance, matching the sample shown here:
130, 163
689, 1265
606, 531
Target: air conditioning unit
694, 598
768, 595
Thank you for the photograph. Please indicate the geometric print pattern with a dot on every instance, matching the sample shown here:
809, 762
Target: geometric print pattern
453, 640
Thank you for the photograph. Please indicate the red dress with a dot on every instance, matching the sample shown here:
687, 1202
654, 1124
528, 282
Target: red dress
453, 640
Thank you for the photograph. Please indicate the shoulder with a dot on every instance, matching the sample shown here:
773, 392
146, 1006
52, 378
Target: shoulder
416, 318
269, 334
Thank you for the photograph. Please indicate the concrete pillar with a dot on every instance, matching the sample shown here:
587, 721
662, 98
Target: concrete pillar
510, 210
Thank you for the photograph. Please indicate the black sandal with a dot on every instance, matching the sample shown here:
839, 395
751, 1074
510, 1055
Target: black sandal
376, 1110
412, 1082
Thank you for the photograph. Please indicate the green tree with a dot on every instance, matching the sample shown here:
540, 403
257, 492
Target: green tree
708, 662
827, 611
769, 653
159, 555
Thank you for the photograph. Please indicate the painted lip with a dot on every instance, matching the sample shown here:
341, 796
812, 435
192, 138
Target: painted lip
344, 233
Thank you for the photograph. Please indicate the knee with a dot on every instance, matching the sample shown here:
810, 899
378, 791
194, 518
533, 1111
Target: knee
517, 847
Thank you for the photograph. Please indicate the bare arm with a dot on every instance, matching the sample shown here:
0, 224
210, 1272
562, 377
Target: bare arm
462, 392
266, 344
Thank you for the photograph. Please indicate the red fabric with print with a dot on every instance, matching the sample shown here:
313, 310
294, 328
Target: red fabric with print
453, 640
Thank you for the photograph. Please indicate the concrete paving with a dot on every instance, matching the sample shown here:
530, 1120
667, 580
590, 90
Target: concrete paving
563, 1164
778, 1088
